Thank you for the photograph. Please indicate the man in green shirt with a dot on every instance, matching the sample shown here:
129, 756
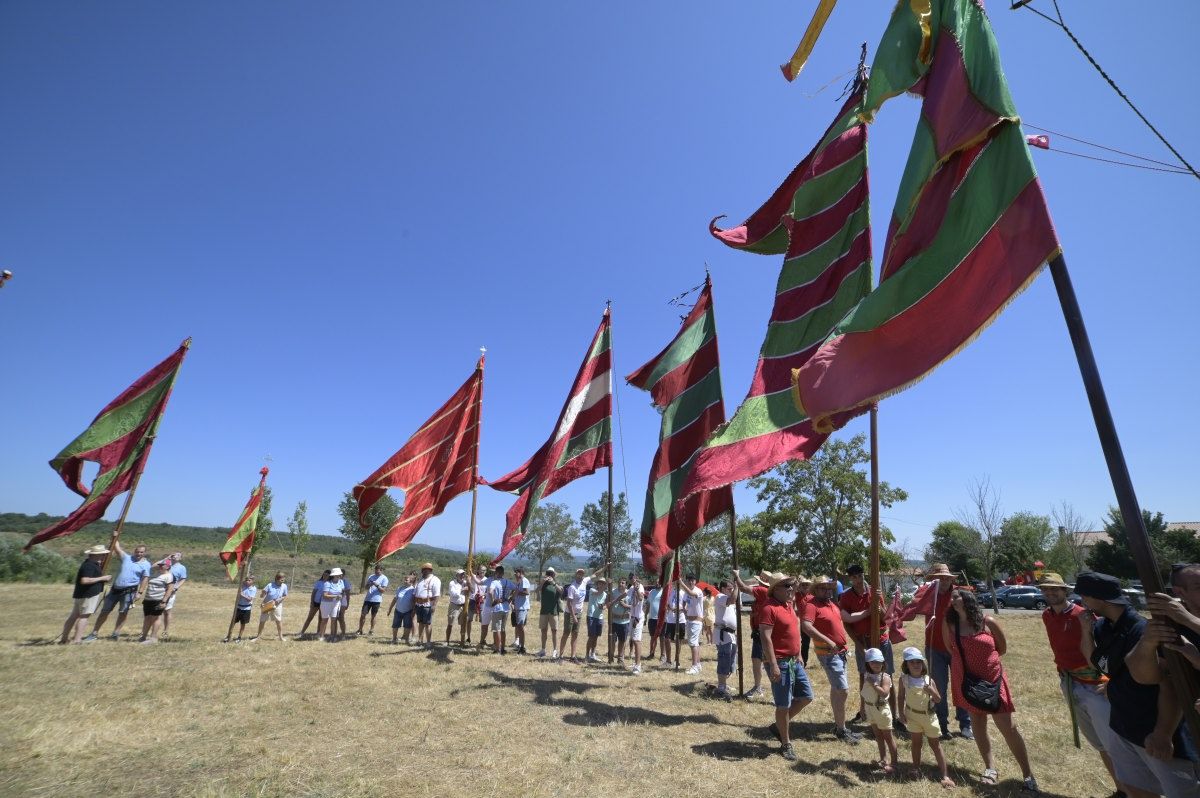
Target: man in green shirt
550, 594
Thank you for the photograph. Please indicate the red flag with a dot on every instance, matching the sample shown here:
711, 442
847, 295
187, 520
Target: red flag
241, 538
436, 464
666, 594
1042, 142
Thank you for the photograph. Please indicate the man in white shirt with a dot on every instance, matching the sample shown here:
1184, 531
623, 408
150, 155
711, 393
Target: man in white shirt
669, 625
499, 594
576, 597
636, 598
653, 599
725, 636
429, 588
482, 581
373, 598
179, 571
520, 607
456, 611
693, 611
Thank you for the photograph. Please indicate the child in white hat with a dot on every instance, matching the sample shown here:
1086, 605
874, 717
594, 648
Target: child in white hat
918, 694
876, 688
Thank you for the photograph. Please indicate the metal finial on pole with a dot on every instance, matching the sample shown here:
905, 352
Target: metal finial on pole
5, 276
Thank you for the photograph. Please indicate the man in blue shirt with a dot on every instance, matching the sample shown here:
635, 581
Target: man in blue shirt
376, 584
126, 589
179, 574
520, 610
241, 612
499, 594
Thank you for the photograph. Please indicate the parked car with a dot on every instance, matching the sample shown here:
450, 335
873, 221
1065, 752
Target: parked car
1023, 596
985, 597
1137, 599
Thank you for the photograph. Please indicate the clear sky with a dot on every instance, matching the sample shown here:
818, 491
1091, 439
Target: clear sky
342, 202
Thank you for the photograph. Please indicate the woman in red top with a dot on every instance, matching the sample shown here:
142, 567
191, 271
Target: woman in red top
978, 639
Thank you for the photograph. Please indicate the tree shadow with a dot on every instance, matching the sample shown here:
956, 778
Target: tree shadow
734, 750
39, 641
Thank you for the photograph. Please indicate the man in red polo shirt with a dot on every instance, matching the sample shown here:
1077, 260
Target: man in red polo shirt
758, 589
1067, 625
938, 655
780, 633
856, 615
823, 623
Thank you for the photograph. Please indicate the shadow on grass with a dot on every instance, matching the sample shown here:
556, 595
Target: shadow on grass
39, 641
735, 750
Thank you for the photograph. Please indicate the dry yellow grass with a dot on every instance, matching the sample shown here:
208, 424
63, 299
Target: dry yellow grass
193, 717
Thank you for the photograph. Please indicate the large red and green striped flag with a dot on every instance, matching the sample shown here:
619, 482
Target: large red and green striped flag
581, 444
970, 229
820, 220
119, 441
241, 538
684, 381
439, 461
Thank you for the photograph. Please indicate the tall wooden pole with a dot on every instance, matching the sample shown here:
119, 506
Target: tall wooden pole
1183, 677
466, 619
677, 576
737, 592
608, 557
876, 581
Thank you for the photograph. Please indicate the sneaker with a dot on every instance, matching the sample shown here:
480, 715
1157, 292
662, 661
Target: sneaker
503, 651
225, 640
724, 695
254, 639
635, 670
967, 733
692, 671
593, 658
788, 752
91, 638
858, 718
663, 661
847, 736
1030, 787
540, 654
754, 693
554, 654
114, 636
151, 642
945, 735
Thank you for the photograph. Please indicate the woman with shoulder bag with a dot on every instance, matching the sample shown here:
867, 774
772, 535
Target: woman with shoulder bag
976, 643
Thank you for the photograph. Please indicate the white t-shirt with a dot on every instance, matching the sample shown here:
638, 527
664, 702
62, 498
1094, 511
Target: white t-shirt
429, 587
577, 595
672, 599
726, 609
635, 597
156, 588
499, 593
521, 602
693, 605
375, 587
655, 598
457, 598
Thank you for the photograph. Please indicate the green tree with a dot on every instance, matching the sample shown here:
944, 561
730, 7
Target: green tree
959, 546
708, 553
593, 526
824, 503
1024, 539
380, 518
298, 529
552, 534
757, 549
262, 532
984, 517
1170, 545
1069, 552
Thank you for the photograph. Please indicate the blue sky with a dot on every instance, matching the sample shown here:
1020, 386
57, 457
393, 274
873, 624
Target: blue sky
341, 203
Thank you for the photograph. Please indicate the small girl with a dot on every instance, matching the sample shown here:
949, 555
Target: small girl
876, 687
917, 697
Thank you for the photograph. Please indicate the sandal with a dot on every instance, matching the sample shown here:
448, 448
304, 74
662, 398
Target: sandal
990, 776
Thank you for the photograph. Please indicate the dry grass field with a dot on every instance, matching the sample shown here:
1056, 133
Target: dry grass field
193, 717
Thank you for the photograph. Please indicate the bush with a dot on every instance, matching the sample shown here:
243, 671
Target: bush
39, 565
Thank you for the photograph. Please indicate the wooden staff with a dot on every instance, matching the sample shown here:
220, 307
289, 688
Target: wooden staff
737, 592
876, 582
465, 621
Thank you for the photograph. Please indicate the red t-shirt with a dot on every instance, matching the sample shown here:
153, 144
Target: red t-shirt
933, 631
761, 597
802, 600
1065, 630
827, 618
853, 602
785, 629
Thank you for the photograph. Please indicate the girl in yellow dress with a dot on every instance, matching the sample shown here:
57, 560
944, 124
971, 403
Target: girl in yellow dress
917, 696
876, 687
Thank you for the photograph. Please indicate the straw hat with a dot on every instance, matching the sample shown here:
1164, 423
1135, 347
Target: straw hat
425, 565
777, 579
803, 580
822, 580
1051, 579
939, 569
94, 550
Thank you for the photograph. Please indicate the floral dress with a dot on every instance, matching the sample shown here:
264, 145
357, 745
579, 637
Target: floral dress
983, 662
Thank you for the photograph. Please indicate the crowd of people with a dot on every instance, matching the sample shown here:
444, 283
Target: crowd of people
1110, 660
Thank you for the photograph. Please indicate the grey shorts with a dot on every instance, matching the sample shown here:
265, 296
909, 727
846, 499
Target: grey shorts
122, 596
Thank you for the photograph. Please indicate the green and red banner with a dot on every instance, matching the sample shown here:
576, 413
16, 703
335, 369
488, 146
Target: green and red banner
439, 461
684, 381
119, 440
970, 229
819, 219
581, 443
241, 538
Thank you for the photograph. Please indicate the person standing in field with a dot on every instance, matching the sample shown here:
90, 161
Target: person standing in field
760, 596
618, 618
429, 588
373, 599
180, 574
89, 586
636, 599
823, 622
597, 598
671, 622
549, 595
482, 582
976, 644
241, 610
939, 655
126, 590
918, 696
876, 691
498, 596
779, 632
576, 598
456, 612
1083, 686
314, 607
693, 611
347, 589
332, 588
403, 603
159, 590
653, 599
856, 604
520, 608
710, 615
725, 635
273, 594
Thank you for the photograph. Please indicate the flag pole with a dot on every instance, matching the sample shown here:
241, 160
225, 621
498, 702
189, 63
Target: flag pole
137, 476
677, 577
466, 619
876, 581
608, 557
1183, 677
737, 592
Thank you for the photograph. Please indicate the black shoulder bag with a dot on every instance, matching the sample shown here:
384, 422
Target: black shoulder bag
980, 693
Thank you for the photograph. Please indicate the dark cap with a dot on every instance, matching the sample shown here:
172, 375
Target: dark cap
1100, 586
854, 569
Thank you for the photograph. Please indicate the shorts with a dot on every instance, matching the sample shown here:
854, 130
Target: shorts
86, 606
275, 613
153, 608
668, 631
652, 623
793, 684
497, 624
1091, 710
835, 670
595, 627
240, 615
316, 603
570, 624
889, 664
548, 621
485, 616
520, 617
371, 607
454, 614
755, 645
424, 613
171, 600
635, 630
693, 632
922, 721
879, 716
1177, 778
726, 658
331, 608
620, 631
402, 620
122, 596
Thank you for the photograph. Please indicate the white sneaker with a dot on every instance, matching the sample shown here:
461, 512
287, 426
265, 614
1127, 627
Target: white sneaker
636, 669
593, 658
541, 653
692, 671
554, 654
663, 662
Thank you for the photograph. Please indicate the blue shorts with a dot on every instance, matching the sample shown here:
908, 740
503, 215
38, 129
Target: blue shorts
123, 596
620, 631
595, 627
793, 684
520, 617
402, 620
835, 669
726, 658
889, 663
755, 645
424, 614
